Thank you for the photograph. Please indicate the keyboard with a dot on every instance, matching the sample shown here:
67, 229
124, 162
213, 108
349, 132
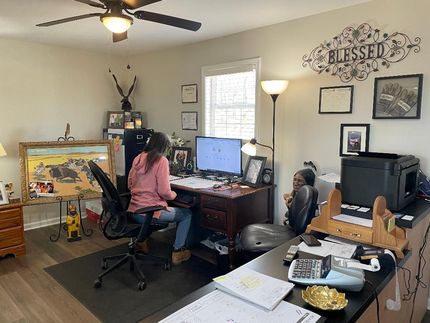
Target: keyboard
173, 178
196, 182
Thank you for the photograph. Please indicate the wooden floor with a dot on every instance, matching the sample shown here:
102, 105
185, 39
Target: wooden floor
29, 294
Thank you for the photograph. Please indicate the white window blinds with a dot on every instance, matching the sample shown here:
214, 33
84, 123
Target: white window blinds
230, 99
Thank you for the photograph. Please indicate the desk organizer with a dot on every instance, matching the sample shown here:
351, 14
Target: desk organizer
383, 233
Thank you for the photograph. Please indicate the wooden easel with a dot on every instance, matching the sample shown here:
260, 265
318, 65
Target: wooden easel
383, 233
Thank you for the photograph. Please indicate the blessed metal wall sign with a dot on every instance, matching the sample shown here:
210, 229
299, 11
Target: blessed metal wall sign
357, 52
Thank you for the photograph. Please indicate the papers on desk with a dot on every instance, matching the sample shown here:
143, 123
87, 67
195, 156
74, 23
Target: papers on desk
196, 182
354, 220
219, 307
329, 248
252, 286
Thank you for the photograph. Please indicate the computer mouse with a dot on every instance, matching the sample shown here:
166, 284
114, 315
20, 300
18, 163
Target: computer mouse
217, 186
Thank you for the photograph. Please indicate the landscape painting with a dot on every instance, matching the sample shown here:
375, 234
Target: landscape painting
50, 170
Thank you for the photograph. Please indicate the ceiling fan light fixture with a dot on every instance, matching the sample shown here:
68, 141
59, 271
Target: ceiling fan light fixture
116, 23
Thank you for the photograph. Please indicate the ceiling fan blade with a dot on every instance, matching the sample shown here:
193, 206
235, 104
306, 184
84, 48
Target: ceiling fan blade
92, 3
168, 20
60, 21
116, 37
134, 4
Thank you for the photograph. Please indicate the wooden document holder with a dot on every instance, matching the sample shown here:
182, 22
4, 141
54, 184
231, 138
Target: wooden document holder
383, 233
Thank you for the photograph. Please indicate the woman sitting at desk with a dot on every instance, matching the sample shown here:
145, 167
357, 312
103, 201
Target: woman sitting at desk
302, 177
149, 185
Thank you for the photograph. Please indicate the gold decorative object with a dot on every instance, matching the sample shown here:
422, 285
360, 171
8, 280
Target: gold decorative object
324, 298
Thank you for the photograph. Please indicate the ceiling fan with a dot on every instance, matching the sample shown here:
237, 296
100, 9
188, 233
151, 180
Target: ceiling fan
118, 23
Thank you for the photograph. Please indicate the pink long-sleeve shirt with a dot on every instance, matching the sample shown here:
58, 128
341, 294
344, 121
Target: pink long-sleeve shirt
151, 188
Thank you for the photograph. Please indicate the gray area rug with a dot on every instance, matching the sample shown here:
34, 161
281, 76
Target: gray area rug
119, 300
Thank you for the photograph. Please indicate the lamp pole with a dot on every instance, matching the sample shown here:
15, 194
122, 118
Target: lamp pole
274, 97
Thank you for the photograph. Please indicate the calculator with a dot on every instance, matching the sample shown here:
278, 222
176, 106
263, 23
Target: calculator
330, 270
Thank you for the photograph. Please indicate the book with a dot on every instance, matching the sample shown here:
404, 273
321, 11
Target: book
254, 287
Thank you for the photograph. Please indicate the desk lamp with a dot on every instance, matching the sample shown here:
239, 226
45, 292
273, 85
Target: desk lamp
274, 88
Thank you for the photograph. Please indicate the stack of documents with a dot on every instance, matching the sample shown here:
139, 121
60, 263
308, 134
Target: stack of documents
254, 287
219, 307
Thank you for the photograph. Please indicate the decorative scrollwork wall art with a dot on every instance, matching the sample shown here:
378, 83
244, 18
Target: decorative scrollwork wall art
357, 52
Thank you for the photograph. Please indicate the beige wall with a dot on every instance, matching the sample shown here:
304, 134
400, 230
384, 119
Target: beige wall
42, 88
302, 134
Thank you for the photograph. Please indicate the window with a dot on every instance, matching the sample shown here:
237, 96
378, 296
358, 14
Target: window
230, 99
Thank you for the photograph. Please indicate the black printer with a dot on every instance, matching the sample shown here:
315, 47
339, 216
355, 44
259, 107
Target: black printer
368, 175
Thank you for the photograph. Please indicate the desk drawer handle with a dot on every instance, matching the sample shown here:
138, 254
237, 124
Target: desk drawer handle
358, 235
338, 230
211, 217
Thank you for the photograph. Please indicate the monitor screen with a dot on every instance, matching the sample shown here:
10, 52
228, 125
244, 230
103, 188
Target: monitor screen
219, 155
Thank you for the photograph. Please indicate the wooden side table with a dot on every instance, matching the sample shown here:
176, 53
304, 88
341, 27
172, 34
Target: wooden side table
11, 230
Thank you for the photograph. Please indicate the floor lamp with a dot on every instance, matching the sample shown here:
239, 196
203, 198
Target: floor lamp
274, 88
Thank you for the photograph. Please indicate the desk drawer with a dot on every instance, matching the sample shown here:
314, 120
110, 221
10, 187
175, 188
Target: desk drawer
11, 237
213, 219
10, 222
8, 214
351, 232
213, 202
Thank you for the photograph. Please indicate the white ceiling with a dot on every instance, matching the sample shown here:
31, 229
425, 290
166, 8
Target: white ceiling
218, 18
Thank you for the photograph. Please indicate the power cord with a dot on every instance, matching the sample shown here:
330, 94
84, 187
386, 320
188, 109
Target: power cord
419, 275
376, 297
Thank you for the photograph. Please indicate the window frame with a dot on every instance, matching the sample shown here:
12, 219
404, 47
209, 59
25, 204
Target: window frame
231, 66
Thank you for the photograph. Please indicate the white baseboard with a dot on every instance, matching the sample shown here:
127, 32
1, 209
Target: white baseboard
46, 223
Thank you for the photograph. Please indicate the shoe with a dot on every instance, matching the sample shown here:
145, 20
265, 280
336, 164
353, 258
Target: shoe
180, 255
142, 246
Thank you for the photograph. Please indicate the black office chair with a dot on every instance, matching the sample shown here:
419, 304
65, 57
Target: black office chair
259, 238
116, 224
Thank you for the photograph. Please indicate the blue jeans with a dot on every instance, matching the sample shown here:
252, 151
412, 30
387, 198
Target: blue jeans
181, 216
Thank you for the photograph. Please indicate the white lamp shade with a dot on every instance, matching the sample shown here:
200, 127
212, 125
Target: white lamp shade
249, 149
274, 86
2, 151
116, 24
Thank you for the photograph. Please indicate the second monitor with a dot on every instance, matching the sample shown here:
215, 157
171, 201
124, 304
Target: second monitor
219, 156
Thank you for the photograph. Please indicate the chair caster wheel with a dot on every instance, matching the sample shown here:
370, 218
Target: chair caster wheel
167, 266
105, 265
98, 283
141, 285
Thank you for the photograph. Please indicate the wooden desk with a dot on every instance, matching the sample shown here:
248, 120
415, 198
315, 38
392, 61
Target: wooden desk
228, 211
361, 305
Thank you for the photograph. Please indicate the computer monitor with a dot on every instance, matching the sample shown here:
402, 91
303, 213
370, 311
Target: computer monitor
219, 155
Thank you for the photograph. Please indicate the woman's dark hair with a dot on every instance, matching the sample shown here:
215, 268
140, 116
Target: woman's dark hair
157, 145
308, 175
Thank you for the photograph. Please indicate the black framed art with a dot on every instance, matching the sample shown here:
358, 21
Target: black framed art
180, 156
254, 169
189, 93
354, 137
336, 99
397, 97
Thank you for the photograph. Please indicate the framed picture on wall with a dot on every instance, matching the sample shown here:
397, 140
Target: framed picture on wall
189, 93
354, 137
254, 169
398, 97
189, 120
336, 99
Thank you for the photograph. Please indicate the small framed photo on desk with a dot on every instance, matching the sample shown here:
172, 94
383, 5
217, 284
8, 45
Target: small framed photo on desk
181, 156
253, 171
